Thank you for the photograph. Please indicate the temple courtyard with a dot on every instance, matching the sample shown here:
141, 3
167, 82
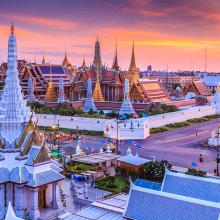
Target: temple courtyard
181, 146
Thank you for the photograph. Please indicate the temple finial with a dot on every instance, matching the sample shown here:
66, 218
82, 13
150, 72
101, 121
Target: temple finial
12, 27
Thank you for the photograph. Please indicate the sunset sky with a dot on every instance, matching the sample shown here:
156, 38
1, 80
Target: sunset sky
165, 32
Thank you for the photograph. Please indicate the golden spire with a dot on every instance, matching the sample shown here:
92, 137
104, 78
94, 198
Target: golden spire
12, 27
66, 61
97, 94
50, 94
133, 73
115, 62
133, 63
43, 61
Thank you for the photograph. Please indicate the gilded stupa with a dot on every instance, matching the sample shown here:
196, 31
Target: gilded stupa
133, 74
97, 94
50, 94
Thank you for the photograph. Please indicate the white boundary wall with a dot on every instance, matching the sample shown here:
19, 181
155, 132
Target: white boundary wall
140, 127
184, 115
93, 124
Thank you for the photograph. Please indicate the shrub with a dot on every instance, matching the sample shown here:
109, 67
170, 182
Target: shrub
178, 124
194, 172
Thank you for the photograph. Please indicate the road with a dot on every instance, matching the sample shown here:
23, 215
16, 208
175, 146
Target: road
180, 146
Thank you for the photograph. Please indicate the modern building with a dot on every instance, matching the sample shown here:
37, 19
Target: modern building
28, 177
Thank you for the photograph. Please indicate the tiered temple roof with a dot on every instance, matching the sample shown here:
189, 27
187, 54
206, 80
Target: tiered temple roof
180, 196
148, 90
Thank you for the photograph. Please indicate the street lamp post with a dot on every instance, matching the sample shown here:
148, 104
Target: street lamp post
55, 127
216, 145
117, 148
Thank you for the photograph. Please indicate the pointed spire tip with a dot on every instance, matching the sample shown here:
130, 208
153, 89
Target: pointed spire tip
12, 27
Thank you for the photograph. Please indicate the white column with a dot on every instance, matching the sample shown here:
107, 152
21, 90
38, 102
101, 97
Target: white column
19, 201
34, 210
2, 201
54, 195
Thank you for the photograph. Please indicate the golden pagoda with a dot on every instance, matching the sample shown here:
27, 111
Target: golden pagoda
50, 94
133, 71
97, 94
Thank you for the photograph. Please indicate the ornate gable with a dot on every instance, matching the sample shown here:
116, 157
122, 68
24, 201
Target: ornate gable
42, 156
137, 93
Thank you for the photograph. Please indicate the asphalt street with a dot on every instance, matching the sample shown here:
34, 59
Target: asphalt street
181, 146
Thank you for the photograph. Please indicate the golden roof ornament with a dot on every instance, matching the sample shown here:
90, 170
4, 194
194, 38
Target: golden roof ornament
97, 94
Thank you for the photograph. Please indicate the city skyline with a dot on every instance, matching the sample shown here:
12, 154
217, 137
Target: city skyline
165, 32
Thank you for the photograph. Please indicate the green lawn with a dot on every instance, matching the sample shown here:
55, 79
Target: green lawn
79, 168
114, 184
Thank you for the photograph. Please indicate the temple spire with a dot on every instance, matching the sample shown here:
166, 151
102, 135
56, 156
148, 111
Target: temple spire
12, 27
97, 94
43, 61
133, 63
97, 55
133, 73
13, 108
66, 60
115, 65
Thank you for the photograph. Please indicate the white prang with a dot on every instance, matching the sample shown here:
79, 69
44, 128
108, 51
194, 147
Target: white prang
31, 96
126, 107
13, 108
61, 96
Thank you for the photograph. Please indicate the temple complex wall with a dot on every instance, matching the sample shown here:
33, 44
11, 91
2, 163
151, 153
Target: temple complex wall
180, 116
82, 123
138, 129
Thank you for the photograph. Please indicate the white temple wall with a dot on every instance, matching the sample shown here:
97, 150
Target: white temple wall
140, 131
94, 124
180, 116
